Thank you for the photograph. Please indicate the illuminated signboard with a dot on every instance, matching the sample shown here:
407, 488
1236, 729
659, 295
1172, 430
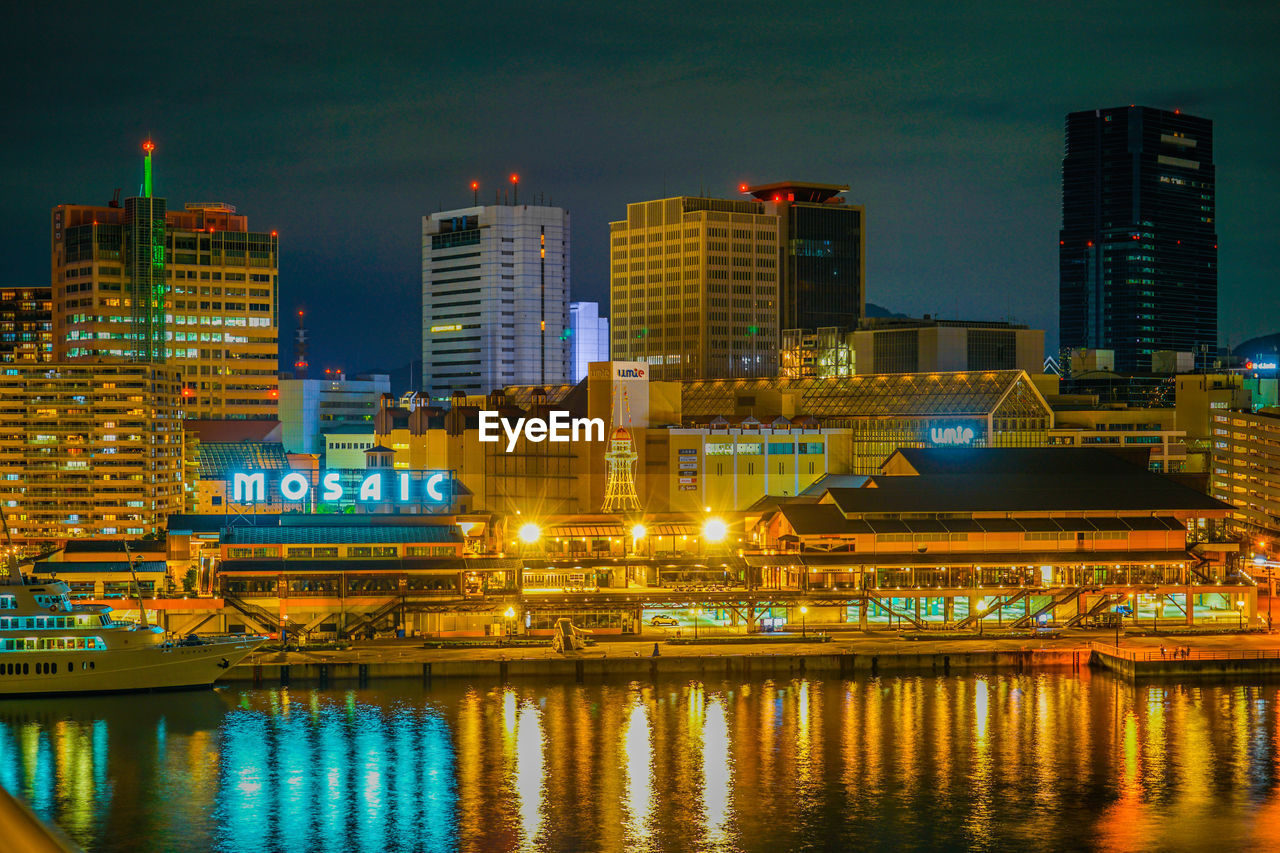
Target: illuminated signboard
1269, 364
954, 435
343, 486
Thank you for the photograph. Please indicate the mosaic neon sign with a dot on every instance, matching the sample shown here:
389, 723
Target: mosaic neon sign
250, 487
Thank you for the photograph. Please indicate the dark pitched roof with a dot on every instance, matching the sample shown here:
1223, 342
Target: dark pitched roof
181, 523
1045, 461
815, 519
1130, 490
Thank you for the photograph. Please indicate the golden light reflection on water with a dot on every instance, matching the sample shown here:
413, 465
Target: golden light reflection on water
1012, 762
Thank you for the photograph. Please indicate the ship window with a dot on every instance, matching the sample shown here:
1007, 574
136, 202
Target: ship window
70, 666
24, 670
92, 664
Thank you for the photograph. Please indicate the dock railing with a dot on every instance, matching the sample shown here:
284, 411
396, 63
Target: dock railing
1174, 652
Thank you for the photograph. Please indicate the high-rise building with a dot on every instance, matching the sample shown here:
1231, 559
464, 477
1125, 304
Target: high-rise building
588, 338
89, 449
823, 255
694, 286
1138, 250
194, 288
495, 298
26, 324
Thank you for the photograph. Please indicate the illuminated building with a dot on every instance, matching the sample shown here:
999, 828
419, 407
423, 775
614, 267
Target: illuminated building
26, 324
89, 449
823, 251
1198, 398
1008, 536
326, 575
1138, 249
194, 288
884, 412
1246, 468
930, 345
588, 338
309, 408
1152, 429
495, 299
694, 287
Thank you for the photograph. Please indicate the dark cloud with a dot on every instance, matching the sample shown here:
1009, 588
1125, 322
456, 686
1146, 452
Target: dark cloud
341, 126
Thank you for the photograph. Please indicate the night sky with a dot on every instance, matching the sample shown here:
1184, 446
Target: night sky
340, 129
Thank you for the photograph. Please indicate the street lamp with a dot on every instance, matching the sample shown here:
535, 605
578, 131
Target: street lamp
1270, 566
529, 533
510, 616
1240, 612
714, 530
803, 611
697, 611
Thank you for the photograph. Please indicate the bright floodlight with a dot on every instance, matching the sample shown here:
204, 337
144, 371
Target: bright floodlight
638, 531
804, 609
511, 613
530, 532
715, 530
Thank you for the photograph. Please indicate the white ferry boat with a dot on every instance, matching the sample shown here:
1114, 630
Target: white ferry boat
48, 646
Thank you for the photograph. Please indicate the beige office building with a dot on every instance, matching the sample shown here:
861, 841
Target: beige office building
694, 288
89, 450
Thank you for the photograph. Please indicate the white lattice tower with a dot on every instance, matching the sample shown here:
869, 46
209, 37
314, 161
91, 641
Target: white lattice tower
620, 488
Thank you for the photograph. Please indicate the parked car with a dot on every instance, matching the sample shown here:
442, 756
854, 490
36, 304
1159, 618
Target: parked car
668, 621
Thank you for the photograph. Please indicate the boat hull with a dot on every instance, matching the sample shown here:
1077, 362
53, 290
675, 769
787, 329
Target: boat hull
160, 667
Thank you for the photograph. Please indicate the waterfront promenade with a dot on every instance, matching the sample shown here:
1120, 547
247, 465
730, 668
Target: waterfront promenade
845, 654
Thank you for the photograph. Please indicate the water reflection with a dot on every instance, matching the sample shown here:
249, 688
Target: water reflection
1034, 762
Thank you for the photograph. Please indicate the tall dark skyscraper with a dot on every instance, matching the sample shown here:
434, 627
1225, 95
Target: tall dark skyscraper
1138, 250
823, 244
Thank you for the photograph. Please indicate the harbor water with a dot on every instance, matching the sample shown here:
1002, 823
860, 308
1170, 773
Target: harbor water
1039, 761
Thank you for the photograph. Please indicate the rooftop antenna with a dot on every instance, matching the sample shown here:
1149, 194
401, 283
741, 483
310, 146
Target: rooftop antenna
300, 348
147, 148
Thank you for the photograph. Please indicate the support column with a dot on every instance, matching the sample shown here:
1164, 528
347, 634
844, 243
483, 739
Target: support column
1189, 601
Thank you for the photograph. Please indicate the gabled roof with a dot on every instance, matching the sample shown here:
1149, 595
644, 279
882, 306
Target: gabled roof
1042, 461
973, 394
1135, 490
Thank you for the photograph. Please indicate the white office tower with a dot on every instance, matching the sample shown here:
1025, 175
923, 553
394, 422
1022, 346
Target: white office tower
588, 338
495, 299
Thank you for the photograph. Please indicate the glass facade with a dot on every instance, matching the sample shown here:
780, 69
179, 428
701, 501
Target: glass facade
1138, 250
823, 282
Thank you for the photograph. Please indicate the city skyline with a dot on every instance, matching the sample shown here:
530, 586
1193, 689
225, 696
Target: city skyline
947, 127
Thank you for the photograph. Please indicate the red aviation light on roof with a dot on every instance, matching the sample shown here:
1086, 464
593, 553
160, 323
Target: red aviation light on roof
742, 188
515, 179
148, 146
475, 185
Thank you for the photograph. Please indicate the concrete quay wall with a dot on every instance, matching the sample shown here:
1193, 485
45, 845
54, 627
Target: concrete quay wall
1188, 668
727, 666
